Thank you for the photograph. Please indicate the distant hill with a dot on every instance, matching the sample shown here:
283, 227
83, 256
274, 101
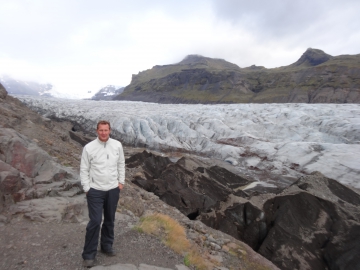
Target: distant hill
316, 77
15, 86
108, 92
20, 87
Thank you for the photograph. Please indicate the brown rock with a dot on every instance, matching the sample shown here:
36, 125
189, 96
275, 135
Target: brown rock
3, 92
133, 203
10, 179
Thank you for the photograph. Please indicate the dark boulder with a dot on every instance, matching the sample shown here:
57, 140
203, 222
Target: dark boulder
313, 224
188, 185
83, 140
343, 251
240, 219
300, 225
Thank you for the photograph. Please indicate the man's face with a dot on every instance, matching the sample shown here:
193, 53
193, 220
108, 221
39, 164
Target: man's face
103, 132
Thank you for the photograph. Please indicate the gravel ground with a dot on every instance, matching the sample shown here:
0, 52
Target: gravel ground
30, 245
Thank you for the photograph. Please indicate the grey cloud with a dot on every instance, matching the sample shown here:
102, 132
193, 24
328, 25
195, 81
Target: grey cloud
279, 18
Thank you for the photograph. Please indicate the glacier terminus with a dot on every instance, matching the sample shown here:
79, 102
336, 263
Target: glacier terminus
265, 141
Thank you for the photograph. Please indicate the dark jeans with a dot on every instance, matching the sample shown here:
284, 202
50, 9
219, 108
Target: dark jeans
98, 202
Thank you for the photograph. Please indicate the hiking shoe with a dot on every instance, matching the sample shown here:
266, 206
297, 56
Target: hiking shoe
88, 263
110, 252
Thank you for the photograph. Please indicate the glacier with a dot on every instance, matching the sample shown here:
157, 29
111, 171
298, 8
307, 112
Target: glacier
265, 141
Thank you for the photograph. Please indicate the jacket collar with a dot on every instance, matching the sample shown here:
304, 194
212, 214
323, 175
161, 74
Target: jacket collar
101, 142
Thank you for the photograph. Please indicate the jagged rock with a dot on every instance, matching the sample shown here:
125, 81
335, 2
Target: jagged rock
187, 184
79, 138
49, 172
240, 219
21, 153
313, 224
51, 209
28, 172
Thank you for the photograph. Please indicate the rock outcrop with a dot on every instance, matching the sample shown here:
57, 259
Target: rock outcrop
316, 77
28, 172
312, 57
31, 181
186, 184
313, 224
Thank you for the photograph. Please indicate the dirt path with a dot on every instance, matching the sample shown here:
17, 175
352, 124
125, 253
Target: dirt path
31, 245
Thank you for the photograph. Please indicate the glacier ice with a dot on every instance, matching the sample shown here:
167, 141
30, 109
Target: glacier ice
283, 139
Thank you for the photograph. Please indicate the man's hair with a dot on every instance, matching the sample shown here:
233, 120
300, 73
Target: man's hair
103, 122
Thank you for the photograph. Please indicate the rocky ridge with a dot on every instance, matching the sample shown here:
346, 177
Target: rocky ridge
315, 78
312, 224
38, 188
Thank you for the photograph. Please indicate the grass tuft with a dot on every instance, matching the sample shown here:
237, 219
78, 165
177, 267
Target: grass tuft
174, 236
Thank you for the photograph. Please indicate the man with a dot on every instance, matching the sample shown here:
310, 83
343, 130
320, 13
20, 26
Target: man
102, 174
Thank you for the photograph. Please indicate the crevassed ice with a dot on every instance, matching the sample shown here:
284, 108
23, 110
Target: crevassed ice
283, 138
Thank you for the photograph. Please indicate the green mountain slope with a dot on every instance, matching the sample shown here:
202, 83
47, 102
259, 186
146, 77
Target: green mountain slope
315, 78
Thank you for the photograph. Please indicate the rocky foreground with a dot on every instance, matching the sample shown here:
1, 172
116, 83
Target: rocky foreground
311, 224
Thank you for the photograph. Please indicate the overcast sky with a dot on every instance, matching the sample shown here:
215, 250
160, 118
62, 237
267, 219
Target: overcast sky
83, 45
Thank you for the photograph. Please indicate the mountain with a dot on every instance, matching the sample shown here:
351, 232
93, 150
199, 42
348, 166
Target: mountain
20, 87
108, 92
312, 57
33, 88
316, 77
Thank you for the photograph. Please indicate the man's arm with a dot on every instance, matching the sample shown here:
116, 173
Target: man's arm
121, 167
85, 171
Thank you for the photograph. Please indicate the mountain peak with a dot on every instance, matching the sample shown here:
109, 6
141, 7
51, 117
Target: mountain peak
192, 59
312, 57
216, 63
108, 92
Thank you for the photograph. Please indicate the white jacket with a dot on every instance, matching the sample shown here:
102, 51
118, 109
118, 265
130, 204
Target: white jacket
102, 165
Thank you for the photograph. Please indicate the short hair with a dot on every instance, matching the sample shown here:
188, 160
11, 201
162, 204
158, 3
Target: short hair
103, 122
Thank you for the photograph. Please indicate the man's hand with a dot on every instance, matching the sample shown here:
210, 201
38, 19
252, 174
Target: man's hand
121, 186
